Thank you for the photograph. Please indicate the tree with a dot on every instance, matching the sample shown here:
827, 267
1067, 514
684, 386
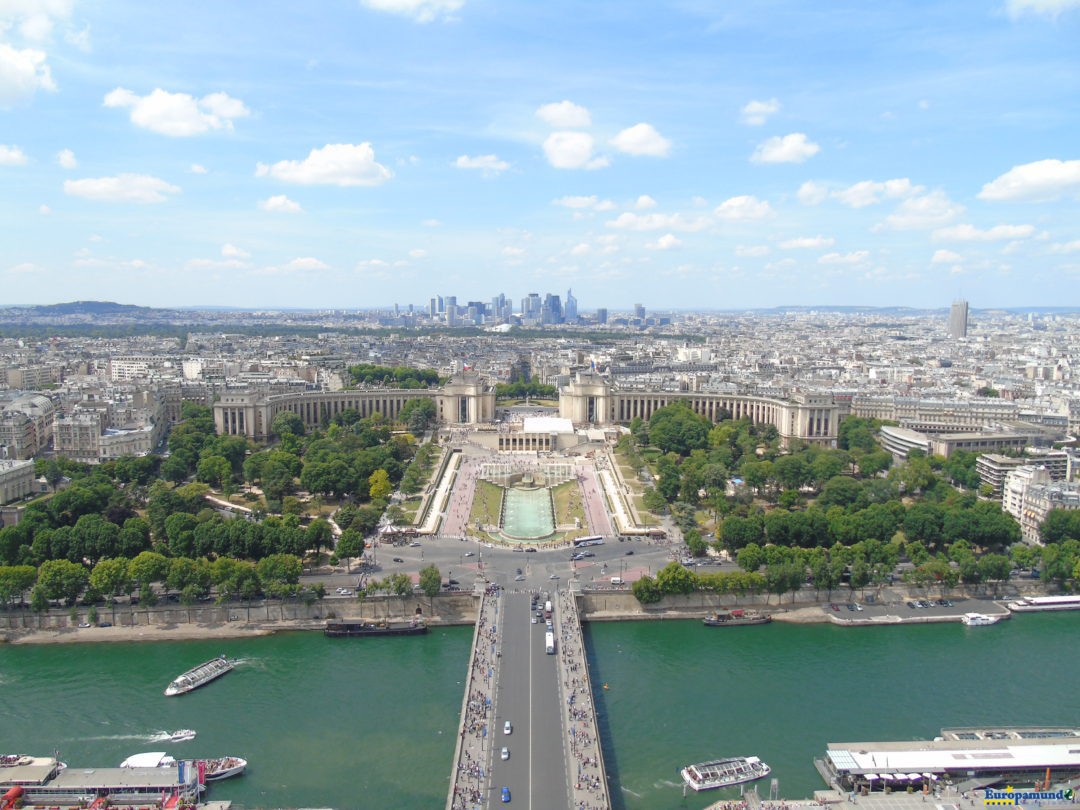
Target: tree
674, 578
147, 568
350, 545
279, 574
784, 578
646, 590
418, 415
751, 557
215, 471
430, 580
110, 577
379, 485
677, 429
287, 422
15, 580
62, 579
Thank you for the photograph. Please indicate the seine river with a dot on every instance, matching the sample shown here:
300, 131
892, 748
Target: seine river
342, 723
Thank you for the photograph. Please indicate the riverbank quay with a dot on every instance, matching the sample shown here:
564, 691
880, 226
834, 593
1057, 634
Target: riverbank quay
472, 752
124, 622
585, 759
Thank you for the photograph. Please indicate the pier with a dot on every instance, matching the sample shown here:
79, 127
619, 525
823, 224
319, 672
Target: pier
528, 720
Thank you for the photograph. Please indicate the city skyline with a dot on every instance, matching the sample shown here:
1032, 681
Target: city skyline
682, 155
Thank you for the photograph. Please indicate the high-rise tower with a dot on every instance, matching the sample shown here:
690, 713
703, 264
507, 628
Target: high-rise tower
958, 319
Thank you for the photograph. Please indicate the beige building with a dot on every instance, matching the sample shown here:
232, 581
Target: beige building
16, 480
465, 399
590, 399
1029, 496
25, 425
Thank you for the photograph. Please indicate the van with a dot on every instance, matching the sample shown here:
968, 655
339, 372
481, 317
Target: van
616, 581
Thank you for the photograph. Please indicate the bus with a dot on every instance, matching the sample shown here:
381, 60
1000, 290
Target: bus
591, 540
549, 642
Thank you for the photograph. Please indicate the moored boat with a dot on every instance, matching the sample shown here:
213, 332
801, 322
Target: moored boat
344, 629
224, 767
979, 619
718, 773
735, 618
199, 676
1034, 603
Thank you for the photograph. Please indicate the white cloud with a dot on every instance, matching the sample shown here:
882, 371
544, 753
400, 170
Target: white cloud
807, 242
1047, 8
1065, 247
22, 73
197, 168
641, 139
66, 159
564, 115
812, 193
1040, 181
927, 211
431, 223
751, 251
178, 114
654, 222
572, 150
280, 204
755, 113
424, 11
668, 241
855, 257
645, 202
580, 249
336, 164
969, 233
217, 264
131, 188
231, 251
581, 202
870, 192
25, 268
44, 210
743, 207
513, 251
946, 257
793, 148
417, 253
12, 156
486, 163
304, 263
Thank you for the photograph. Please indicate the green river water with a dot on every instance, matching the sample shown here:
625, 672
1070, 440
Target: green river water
370, 723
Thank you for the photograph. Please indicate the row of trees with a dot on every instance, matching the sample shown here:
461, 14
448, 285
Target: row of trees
277, 575
393, 376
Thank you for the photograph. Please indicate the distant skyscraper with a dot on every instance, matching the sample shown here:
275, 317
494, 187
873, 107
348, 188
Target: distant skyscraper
601, 315
958, 319
570, 308
639, 311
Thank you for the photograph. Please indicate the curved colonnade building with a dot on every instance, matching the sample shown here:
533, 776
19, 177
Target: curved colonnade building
588, 399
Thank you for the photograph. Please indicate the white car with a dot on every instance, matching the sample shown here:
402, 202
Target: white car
534, 620
470, 553
507, 728
554, 576
505, 753
519, 578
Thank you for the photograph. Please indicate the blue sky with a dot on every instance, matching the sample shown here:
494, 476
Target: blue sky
691, 154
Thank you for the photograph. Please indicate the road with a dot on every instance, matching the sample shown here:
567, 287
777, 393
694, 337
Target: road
528, 696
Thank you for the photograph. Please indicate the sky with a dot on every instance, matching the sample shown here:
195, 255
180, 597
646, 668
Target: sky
693, 154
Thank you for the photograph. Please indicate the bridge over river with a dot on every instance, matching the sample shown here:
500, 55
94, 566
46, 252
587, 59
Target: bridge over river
553, 756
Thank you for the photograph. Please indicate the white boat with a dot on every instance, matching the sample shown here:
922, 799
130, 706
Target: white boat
718, 773
979, 619
182, 735
200, 675
151, 759
1032, 603
224, 767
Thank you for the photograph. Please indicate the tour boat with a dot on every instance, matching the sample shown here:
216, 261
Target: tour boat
224, 767
718, 773
200, 675
979, 619
736, 618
